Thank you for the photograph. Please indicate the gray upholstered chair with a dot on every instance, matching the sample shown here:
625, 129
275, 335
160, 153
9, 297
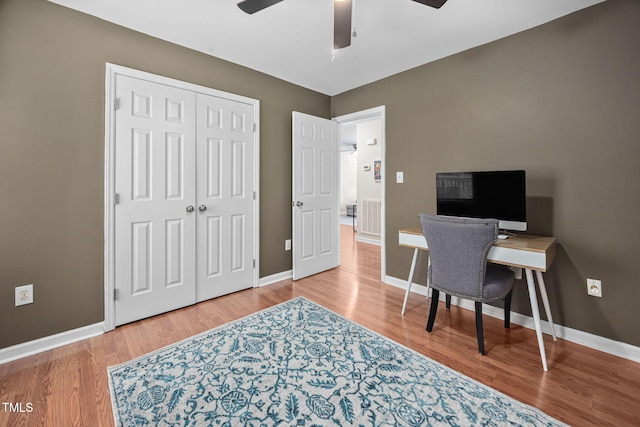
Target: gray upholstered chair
458, 249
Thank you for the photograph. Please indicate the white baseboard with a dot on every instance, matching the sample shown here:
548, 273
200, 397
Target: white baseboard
29, 348
274, 278
369, 240
596, 342
606, 345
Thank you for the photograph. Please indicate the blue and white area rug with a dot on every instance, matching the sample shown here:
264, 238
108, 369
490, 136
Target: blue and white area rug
299, 364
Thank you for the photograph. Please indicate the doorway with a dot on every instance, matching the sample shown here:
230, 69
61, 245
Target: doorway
361, 178
365, 129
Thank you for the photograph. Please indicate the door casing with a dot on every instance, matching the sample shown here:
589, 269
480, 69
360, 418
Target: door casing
363, 116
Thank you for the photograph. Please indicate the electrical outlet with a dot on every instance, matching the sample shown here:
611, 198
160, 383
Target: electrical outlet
287, 245
24, 295
594, 288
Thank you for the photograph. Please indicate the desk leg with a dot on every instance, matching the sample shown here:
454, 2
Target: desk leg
536, 315
410, 281
545, 301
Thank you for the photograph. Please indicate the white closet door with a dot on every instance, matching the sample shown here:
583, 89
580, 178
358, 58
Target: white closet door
225, 168
155, 185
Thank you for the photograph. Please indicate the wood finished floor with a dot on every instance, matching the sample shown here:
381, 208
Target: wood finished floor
584, 387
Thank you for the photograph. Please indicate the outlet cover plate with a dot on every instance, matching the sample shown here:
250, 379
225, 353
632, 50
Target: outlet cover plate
24, 295
594, 288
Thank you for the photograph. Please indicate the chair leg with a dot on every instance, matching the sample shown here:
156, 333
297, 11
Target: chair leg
479, 328
435, 296
448, 300
507, 309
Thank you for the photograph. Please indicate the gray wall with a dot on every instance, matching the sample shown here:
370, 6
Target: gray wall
52, 73
561, 101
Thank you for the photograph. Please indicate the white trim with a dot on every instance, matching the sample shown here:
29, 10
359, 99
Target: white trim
275, 278
366, 115
606, 345
596, 342
256, 188
402, 284
112, 70
155, 78
109, 191
364, 239
30, 348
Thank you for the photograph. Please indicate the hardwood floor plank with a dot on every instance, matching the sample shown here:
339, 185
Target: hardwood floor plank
584, 387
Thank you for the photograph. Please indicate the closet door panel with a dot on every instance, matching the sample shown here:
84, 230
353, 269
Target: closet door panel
225, 158
155, 246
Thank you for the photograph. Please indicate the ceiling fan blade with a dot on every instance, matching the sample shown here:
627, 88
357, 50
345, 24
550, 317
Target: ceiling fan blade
341, 24
433, 3
253, 6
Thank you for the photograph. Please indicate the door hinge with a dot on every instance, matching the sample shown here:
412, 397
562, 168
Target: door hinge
116, 198
115, 295
254, 263
116, 103
254, 195
255, 127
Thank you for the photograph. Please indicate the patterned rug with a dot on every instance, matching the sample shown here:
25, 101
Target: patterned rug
299, 364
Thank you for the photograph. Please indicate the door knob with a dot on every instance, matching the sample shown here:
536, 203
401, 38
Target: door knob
299, 204
190, 209
202, 208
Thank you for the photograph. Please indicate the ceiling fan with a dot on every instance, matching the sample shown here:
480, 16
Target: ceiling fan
341, 16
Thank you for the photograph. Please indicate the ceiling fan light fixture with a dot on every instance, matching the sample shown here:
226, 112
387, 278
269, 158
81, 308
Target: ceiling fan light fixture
342, 15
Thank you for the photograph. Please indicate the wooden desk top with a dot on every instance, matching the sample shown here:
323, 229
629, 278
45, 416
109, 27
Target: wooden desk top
542, 245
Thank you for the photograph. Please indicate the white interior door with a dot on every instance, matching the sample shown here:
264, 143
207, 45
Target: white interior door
225, 158
316, 195
181, 172
155, 189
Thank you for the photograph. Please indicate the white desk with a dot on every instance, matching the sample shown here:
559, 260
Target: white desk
532, 253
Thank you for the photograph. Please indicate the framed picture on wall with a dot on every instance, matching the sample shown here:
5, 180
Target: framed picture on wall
377, 170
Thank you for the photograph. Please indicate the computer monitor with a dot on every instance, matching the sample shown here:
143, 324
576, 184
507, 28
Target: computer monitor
490, 194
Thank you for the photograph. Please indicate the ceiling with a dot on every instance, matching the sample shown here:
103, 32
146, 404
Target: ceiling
293, 40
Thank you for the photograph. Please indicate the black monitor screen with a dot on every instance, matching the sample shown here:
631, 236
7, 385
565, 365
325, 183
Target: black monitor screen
495, 194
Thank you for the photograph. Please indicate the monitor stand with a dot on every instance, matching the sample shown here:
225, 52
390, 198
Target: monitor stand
504, 234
